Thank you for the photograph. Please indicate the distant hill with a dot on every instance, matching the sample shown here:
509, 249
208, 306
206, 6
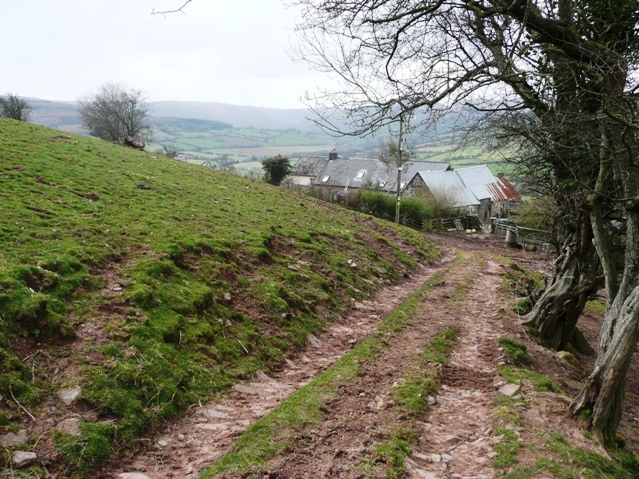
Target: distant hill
208, 132
238, 116
64, 115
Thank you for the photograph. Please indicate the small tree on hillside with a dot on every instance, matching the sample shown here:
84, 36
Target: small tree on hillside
14, 107
275, 169
115, 114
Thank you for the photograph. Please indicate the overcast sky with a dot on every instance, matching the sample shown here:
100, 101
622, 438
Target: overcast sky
227, 51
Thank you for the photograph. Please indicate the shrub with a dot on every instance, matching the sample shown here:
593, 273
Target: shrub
374, 203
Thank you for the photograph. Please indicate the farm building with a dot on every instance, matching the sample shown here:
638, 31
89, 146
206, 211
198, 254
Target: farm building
306, 169
343, 176
475, 190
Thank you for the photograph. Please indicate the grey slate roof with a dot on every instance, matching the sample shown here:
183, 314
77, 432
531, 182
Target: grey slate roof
353, 173
358, 172
309, 166
410, 169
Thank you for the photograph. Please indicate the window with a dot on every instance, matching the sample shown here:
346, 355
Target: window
325, 179
360, 174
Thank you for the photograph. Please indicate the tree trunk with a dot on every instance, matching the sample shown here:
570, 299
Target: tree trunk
576, 279
603, 390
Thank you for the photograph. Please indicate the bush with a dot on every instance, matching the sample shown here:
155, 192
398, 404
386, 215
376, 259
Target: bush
275, 169
374, 203
413, 211
15, 108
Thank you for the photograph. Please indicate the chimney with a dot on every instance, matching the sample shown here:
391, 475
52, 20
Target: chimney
332, 155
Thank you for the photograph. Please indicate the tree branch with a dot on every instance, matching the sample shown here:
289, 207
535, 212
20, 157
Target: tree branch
177, 10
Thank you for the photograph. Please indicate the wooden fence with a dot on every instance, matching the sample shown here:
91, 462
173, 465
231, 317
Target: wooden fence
527, 238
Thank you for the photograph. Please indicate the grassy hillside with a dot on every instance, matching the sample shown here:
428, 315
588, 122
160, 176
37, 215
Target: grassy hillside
152, 284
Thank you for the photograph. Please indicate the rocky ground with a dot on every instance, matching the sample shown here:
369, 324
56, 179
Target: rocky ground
456, 437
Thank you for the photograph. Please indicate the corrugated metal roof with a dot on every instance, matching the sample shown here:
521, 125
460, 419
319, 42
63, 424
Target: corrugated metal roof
475, 175
449, 185
467, 186
410, 169
481, 192
485, 185
508, 191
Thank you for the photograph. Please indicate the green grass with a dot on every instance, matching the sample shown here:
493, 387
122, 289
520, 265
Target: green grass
192, 279
567, 462
411, 394
394, 451
596, 306
515, 351
440, 347
538, 381
507, 448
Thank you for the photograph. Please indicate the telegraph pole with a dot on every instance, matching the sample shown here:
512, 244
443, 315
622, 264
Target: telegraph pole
399, 168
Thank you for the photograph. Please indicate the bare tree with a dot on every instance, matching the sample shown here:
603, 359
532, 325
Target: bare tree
569, 67
14, 107
115, 114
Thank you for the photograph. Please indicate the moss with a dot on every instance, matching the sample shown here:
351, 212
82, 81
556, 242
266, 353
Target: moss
506, 449
515, 351
91, 447
539, 381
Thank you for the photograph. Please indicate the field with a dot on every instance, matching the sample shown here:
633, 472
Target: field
239, 145
245, 148
219, 135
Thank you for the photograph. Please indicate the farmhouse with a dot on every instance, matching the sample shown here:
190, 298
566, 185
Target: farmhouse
475, 190
306, 169
340, 177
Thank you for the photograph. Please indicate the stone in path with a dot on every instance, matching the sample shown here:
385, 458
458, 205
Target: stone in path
67, 396
510, 389
11, 439
22, 459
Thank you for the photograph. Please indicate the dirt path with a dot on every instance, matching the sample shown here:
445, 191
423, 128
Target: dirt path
205, 434
455, 438
458, 435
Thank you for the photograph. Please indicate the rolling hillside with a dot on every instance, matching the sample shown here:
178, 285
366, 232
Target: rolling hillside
134, 286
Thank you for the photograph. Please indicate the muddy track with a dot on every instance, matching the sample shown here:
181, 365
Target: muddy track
453, 438
186, 447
